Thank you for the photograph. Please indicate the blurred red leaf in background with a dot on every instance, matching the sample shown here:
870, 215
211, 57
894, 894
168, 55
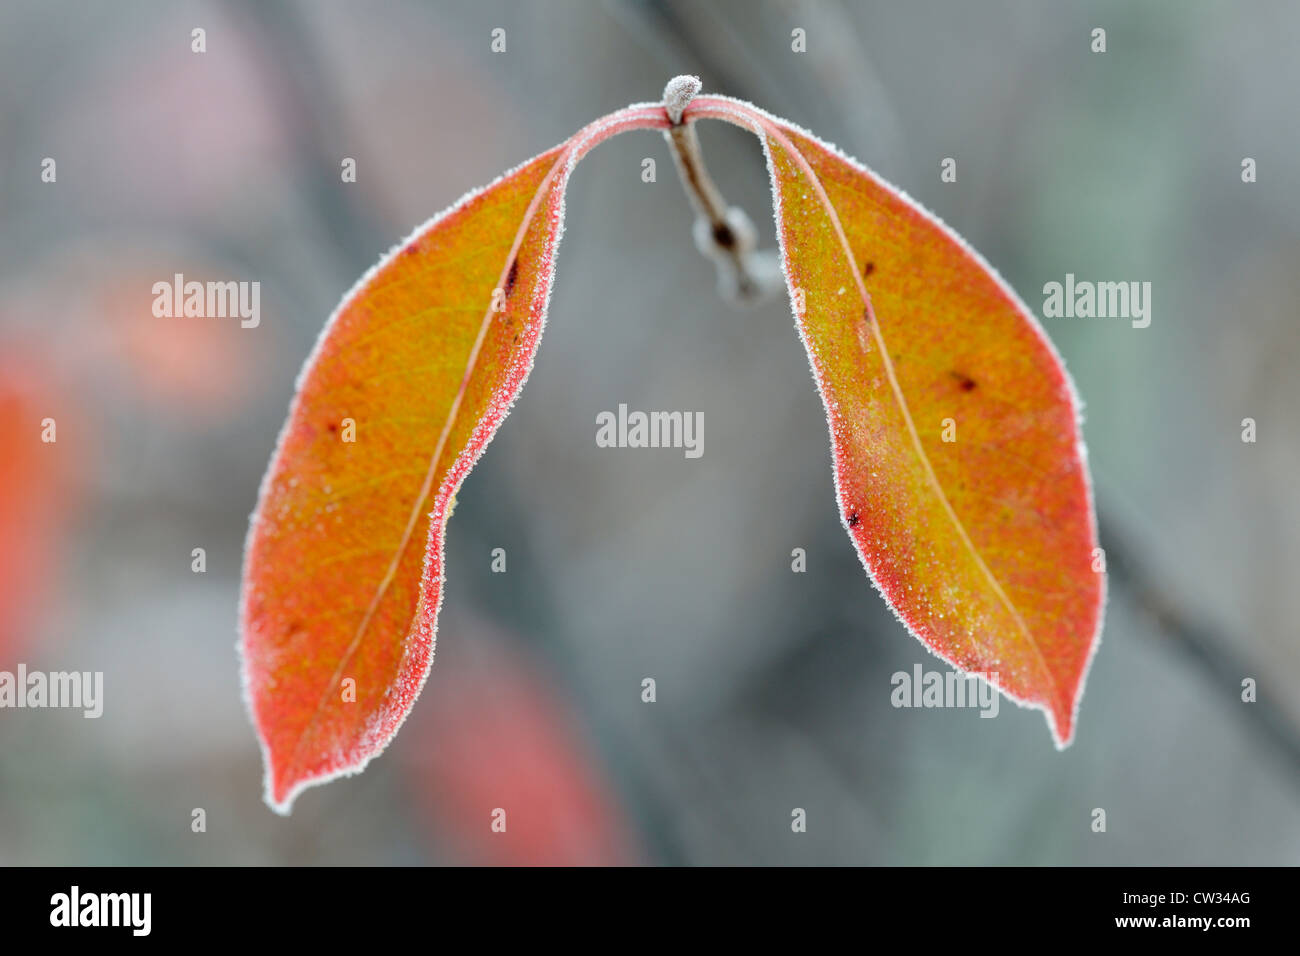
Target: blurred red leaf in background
37, 491
495, 734
206, 366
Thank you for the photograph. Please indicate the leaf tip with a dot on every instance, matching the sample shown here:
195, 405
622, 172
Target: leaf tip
283, 785
1062, 727
281, 807
279, 789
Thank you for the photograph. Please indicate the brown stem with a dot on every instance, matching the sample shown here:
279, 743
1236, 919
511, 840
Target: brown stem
730, 237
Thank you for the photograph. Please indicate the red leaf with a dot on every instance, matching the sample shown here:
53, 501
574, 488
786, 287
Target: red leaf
344, 561
982, 545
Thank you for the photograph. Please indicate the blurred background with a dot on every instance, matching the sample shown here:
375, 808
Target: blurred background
773, 688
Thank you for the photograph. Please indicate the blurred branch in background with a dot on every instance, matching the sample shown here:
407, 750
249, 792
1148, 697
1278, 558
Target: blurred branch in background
305, 99
1207, 649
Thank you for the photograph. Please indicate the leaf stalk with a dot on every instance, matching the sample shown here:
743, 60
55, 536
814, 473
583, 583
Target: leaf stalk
722, 233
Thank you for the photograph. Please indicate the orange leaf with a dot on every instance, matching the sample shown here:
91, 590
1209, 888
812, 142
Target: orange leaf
409, 381
982, 544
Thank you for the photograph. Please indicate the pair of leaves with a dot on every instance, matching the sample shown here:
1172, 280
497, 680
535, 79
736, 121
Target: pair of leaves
983, 546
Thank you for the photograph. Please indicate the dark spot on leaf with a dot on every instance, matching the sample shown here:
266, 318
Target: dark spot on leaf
964, 381
723, 235
332, 427
511, 276
854, 519
868, 268
516, 338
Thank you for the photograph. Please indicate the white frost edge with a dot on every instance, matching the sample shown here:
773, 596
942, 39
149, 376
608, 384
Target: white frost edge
744, 117
577, 146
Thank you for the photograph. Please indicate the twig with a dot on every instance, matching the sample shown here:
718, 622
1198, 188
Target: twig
723, 233
1209, 651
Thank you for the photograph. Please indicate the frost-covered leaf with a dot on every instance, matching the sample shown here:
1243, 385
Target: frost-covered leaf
409, 381
954, 427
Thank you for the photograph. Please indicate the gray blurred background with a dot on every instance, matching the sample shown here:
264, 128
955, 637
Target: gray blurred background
773, 687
